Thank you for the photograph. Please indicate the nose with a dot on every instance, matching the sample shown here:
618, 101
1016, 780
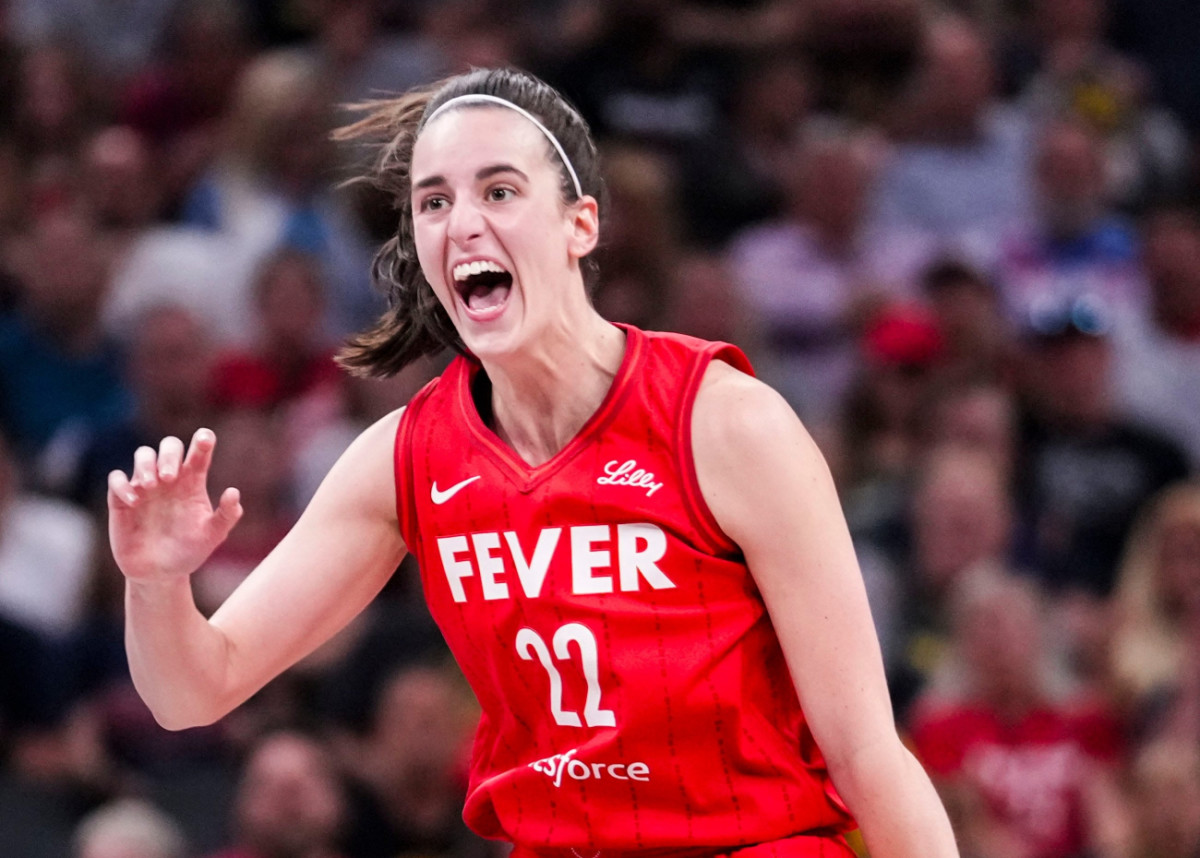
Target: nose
466, 222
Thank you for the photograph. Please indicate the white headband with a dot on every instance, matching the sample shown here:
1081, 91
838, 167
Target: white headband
474, 98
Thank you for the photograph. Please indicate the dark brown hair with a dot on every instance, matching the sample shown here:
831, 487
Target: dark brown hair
415, 324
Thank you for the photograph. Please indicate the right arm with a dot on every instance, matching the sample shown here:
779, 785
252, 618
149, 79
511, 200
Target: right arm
191, 670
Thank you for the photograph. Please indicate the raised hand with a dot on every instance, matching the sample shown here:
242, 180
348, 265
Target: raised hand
161, 523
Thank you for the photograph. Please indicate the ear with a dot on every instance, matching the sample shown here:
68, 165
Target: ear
584, 227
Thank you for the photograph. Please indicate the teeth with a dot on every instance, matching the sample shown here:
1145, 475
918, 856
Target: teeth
469, 269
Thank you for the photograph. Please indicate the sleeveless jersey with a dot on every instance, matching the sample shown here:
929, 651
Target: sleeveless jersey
634, 695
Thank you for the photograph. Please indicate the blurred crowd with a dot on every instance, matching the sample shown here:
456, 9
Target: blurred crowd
961, 237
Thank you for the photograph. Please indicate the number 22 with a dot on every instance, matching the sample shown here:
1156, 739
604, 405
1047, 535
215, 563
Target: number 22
530, 643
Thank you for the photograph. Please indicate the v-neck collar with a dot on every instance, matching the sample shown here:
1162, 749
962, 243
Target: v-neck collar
528, 477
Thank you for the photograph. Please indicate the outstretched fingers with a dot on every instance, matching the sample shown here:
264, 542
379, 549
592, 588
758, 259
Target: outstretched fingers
199, 454
121, 493
145, 468
227, 513
170, 458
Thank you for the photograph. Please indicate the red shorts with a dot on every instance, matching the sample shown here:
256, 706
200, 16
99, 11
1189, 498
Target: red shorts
797, 846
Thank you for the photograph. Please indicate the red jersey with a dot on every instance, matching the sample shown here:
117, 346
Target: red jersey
633, 692
1030, 773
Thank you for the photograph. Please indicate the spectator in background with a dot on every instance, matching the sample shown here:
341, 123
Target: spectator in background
974, 414
952, 135
1156, 649
969, 314
703, 299
52, 106
864, 51
250, 453
902, 349
177, 101
1085, 468
812, 278
960, 519
291, 355
119, 188
290, 802
113, 41
1023, 770
361, 59
739, 172
129, 828
46, 556
1157, 361
410, 770
60, 374
270, 185
1074, 244
1164, 798
642, 237
1077, 73
169, 370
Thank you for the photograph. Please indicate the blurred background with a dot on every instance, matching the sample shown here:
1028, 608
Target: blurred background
962, 238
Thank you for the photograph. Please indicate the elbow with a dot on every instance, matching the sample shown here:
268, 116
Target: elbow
858, 772
176, 715
176, 721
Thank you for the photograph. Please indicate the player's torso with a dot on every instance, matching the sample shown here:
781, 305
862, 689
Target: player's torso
633, 692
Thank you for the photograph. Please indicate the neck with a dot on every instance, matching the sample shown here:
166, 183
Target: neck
542, 398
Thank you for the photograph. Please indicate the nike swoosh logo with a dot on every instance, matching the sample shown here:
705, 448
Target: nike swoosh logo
441, 497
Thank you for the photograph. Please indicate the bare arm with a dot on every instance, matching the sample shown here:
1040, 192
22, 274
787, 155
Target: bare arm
191, 670
770, 490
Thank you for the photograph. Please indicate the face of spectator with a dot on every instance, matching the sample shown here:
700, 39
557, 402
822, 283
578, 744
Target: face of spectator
170, 360
208, 50
291, 304
1166, 800
1066, 378
289, 802
300, 140
958, 79
251, 457
421, 724
774, 100
1000, 635
1179, 564
120, 187
981, 419
1070, 178
831, 187
1172, 261
68, 270
48, 103
968, 315
960, 517
703, 300
348, 27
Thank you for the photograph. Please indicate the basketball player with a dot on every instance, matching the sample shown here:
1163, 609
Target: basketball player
626, 539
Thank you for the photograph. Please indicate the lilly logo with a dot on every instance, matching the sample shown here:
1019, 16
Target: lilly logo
565, 765
628, 473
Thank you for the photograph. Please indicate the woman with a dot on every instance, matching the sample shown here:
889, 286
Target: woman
586, 503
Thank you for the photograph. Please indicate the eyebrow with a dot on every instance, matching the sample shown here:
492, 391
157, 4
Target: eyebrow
480, 175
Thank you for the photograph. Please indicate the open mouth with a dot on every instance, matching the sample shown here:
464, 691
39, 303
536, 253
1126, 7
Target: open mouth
482, 285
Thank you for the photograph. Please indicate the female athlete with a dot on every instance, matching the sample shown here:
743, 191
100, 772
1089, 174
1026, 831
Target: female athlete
626, 539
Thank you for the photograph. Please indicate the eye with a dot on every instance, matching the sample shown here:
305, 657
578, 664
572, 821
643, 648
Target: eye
433, 203
500, 194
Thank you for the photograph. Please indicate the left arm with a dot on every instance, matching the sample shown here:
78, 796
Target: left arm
769, 489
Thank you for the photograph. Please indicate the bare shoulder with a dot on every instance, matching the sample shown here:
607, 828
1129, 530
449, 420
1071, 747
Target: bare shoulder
752, 454
737, 415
